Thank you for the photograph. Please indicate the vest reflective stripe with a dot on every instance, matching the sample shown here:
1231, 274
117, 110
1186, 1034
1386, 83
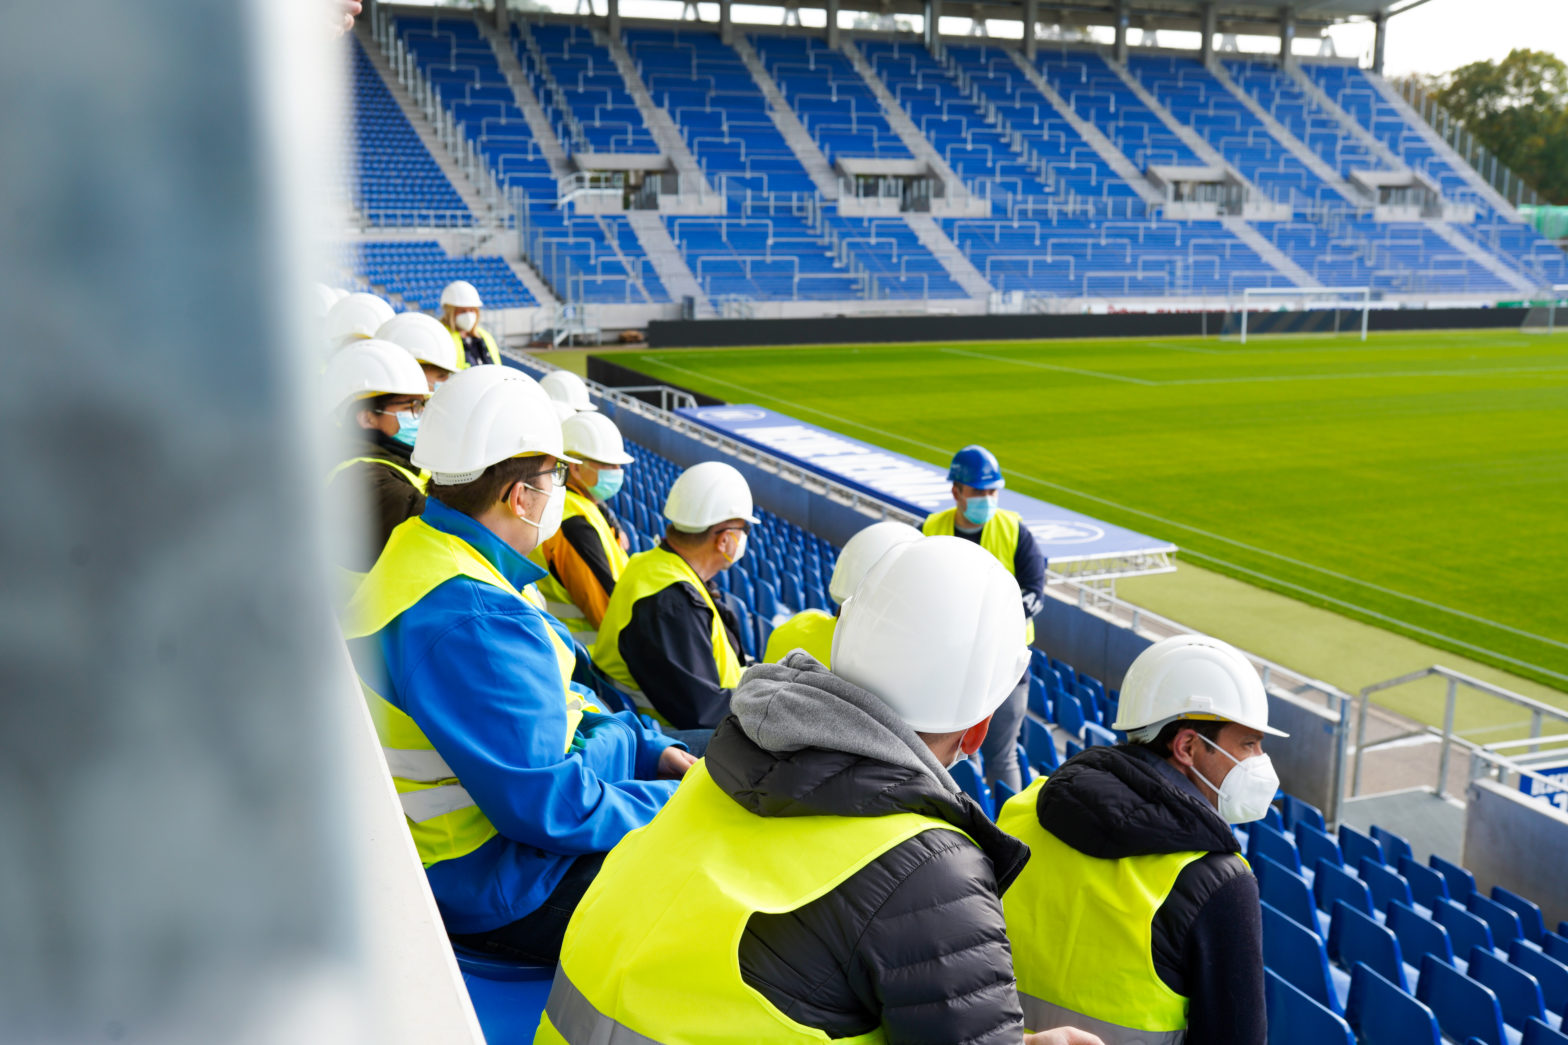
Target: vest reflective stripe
1042, 1014
443, 818
558, 601
810, 630
651, 952
999, 536
648, 573
416, 480
1082, 931
483, 335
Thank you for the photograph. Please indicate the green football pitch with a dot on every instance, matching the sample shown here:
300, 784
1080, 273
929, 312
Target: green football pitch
1416, 482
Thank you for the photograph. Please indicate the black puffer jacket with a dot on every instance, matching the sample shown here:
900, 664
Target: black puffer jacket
1115, 802
381, 496
914, 942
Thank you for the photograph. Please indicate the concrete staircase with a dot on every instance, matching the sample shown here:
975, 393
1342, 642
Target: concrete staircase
917, 143
958, 266
1249, 235
533, 112
665, 134
1103, 146
1347, 123
795, 135
666, 259
1481, 256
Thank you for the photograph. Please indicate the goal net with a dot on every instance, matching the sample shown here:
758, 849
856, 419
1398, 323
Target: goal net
1300, 310
1547, 315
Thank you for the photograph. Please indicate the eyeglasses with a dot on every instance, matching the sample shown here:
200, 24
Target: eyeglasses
559, 471
744, 527
415, 407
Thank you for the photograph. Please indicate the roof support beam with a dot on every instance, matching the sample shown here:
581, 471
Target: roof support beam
1031, 18
832, 25
1123, 21
1210, 25
933, 29
726, 23
1380, 42
1287, 37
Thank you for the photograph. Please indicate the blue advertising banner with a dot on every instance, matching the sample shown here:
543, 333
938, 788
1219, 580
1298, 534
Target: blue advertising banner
1066, 537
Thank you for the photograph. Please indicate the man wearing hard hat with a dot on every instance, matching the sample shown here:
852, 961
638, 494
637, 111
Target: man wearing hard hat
976, 516
664, 638
424, 338
355, 317
377, 393
819, 876
588, 555
568, 389
513, 786
460, 307
1137, 918
812, 630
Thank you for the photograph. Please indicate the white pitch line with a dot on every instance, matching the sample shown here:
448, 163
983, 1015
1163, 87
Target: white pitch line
1049, 366
1417, 600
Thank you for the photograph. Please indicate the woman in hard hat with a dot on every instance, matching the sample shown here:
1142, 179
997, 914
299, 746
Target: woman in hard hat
812, 630
1132, 848
568, 389
665, 639
588, 555
819, 876
460, 307
513, 786
378, 392
424, 338
355, 317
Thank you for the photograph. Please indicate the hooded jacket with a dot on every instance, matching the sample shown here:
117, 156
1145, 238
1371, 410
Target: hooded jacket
1116, 802
914, 942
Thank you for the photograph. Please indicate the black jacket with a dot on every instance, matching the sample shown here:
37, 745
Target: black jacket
373, 492
1114, 802
914, 942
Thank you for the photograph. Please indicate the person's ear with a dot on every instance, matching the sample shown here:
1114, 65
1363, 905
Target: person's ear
1182, 747
366, 419
974, 736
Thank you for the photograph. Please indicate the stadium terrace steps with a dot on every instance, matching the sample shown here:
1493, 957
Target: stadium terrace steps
466, 190
666, 259
957, 264
528, 102
1269, 252
668, 136
1347, 123
1096, 139
1481, 256
1189, 137
1282, 134
795, 135
914, 140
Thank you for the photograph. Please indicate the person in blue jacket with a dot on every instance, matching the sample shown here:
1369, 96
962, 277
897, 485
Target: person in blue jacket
513, 784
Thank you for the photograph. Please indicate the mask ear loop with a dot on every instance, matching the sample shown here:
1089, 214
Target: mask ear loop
1222, 751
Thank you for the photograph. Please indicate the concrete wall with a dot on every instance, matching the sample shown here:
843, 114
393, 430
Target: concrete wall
1519, 843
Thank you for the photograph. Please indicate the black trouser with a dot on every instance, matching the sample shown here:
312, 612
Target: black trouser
536, 937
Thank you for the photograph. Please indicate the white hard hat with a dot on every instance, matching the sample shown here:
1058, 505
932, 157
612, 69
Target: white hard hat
322, 298
594, 437
480, 416
372, 368
356, 317
460, 294
423, 336
338, 294
566, 387
563, 411
706, 494
934, 631
862, 552
1195, 677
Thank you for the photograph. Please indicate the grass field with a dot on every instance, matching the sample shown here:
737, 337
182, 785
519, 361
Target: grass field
1415, 482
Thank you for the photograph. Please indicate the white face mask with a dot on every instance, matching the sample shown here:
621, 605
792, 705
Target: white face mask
740, 548
466, 321
549, 522
1247, 790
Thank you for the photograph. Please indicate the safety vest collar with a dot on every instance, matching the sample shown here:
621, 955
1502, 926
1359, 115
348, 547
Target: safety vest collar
517, 569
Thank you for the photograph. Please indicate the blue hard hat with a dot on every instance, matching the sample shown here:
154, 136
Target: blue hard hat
976, 466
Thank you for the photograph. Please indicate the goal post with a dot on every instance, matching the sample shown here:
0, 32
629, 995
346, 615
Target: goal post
1304, 310
1545, 312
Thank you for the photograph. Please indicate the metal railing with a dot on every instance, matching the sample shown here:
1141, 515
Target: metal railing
1498, 175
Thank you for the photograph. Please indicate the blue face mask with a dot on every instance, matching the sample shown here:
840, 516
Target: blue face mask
979, 510
407, 429
609, 484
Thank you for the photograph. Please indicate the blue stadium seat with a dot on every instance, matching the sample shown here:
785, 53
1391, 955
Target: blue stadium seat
1039, 700
1356, 845
1001, 793
1096, 735
967, 776
1395, 848
1041, 748
1383, 1013
1072, 749
1503, 921
1353, 937
1538, 1033
1297, 812
1069, 714
1463, 1007
1385, 885
1286, 891
1550, 973
1296, 1019
1531, 924
1315, 845
1426, 884
1461, 883
1263, 840
1332, 883
1518, 992
508, 996
1296, 953
1417, 935
1026, 773
1465, 930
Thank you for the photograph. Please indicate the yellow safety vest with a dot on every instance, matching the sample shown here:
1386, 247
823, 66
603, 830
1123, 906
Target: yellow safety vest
648, 573
810, 630
350, 580
1082, 929
999, 536
558, 601
444, 820
482, 334
651, 954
